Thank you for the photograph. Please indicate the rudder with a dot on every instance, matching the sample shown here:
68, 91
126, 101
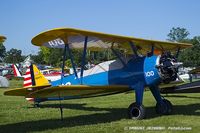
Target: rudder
37, 77
34, 77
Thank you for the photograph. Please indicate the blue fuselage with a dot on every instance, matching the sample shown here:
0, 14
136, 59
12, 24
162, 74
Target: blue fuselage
140, 69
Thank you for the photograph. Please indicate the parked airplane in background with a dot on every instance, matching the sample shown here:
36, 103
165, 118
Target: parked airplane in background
190, 86
27, 62
50, 74
16, 71
147, 64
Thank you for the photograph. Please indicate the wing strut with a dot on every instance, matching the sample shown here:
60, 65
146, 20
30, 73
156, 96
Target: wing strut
152, 50
134, 48
83, 58
177, 53
63, 65
118, 56
72, 61
149, 54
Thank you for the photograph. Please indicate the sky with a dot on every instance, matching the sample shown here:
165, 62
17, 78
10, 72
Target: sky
21, 20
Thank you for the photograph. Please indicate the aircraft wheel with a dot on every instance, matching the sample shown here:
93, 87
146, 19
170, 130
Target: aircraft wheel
136, 112
165, 108
169, 106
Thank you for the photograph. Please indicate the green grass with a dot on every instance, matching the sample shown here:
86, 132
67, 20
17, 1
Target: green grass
100, 114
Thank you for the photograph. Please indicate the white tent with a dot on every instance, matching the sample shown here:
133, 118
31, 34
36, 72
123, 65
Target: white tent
3, 82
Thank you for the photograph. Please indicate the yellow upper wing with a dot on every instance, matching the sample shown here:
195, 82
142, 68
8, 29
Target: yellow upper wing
2, 38
57, 38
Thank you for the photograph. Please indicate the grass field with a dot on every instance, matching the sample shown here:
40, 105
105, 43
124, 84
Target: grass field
100, 114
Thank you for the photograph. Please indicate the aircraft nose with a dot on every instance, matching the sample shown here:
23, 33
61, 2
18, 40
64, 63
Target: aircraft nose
168, 67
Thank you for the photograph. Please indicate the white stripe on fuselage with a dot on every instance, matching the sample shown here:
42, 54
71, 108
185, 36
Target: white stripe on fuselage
103, 67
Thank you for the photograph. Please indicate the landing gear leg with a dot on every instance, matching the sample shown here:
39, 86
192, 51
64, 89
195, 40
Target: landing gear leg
136, 110
163, 106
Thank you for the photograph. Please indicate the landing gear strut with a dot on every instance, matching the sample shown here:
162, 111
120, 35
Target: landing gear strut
136, 111
164, 108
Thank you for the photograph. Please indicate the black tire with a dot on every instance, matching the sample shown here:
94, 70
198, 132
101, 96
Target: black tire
169, 106
136, 112
165, 108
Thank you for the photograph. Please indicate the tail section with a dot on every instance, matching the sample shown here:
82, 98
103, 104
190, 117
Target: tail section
28, 82
34, 77
37, 77
16, 71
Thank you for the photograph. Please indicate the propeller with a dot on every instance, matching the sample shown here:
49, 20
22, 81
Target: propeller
168, 67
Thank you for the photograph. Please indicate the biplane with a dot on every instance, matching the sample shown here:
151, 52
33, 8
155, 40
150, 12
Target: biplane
139, 63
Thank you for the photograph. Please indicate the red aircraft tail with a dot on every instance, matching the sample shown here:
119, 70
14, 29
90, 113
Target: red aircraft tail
16, 71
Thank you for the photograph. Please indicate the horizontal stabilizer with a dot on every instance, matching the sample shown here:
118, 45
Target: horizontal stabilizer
24, 91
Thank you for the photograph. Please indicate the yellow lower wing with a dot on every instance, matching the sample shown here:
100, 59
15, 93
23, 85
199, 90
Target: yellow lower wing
78, 91
24, 91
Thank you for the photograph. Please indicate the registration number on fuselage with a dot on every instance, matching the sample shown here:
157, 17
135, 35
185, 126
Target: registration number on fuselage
149, 73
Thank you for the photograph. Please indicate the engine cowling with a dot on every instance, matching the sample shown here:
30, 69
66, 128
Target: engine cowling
168, 67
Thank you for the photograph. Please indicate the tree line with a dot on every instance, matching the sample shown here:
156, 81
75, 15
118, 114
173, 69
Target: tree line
190, 57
